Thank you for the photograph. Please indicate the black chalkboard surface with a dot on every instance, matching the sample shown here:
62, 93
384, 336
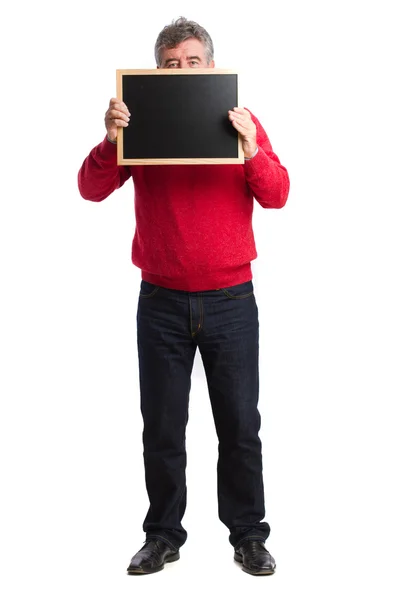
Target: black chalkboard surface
178, 116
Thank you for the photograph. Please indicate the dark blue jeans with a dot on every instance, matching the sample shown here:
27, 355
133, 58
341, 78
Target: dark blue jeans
223, 323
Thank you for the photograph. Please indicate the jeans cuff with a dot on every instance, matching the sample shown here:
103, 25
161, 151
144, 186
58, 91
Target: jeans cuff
255, 538
163, 539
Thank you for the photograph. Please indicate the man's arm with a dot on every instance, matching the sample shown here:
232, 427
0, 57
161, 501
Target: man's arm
265, 176
99, 174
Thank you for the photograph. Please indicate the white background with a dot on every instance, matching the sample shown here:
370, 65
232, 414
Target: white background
321, 77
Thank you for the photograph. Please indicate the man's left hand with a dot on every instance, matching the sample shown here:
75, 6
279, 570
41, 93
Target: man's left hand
242, 121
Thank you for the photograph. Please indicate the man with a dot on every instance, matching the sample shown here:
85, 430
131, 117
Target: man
194, 243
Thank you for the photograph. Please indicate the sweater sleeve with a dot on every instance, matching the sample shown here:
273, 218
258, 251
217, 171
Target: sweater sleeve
99, 174
265, 176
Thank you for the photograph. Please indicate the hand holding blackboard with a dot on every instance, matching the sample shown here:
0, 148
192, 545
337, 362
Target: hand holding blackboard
116, 116
244, 124
178, 116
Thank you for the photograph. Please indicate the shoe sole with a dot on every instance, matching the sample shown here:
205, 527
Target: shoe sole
141, 571
239, 559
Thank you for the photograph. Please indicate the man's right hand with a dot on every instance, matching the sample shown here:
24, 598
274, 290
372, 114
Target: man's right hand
117, 115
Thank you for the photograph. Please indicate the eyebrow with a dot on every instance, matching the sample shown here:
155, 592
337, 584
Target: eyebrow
176, 59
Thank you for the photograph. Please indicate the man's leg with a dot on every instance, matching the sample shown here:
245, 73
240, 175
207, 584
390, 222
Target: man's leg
229, 348
166, 355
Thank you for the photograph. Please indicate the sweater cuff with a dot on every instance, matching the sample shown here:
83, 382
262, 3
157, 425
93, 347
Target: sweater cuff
252, 156
251, 165
107, 149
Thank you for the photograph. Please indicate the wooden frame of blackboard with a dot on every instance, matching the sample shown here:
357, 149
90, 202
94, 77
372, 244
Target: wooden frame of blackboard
126, 160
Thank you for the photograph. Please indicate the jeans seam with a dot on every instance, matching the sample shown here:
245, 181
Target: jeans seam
149, 295
237, 297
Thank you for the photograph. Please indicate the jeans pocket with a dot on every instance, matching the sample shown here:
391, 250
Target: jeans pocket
148, 290
240, 291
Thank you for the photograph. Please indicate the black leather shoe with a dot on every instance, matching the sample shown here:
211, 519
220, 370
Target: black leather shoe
152, 557
255, 558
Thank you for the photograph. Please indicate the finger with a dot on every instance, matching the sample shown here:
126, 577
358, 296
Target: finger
240, 110
239, 127
244, 131
117, 114
121, 108
243, 124
116, 101
239, 116
118, 104
118, 123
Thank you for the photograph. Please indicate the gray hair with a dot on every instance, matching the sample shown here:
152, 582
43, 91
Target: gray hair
179, 31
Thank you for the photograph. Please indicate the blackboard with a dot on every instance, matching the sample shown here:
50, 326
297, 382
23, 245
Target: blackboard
178, 116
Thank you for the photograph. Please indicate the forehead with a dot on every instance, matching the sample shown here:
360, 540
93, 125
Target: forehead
190, 47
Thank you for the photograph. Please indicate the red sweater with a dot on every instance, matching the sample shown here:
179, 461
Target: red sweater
193, 222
